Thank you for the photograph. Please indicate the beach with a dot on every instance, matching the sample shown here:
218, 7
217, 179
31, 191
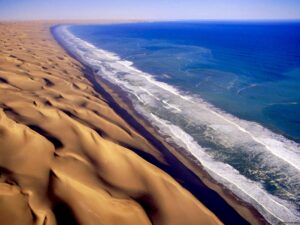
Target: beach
74, 152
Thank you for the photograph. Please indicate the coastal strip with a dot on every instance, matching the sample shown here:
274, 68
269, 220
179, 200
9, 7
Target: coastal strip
183, 166
66, 156
72, 153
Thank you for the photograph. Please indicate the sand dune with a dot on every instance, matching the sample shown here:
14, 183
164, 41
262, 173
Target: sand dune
65, 156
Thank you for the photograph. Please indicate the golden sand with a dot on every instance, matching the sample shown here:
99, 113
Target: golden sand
65, 155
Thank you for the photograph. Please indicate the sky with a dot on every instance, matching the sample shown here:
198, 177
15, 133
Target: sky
150, 9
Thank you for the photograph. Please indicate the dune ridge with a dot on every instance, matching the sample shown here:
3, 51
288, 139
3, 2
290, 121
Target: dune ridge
65, 156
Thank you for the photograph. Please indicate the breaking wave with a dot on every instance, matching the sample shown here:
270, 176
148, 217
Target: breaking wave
242, 155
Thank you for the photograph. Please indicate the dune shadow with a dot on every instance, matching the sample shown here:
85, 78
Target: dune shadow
55, 141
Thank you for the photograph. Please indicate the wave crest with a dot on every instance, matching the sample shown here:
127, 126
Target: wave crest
217, 139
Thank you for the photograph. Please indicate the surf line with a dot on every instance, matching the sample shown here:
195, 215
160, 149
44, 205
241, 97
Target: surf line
157, 83
209, 168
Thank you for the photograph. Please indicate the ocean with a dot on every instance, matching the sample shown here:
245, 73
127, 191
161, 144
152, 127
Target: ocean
227, 92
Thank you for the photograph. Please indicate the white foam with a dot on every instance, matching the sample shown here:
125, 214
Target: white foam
224, 173
226, 129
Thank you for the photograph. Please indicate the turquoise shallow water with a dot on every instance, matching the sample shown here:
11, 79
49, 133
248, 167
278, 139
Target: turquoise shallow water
228, 93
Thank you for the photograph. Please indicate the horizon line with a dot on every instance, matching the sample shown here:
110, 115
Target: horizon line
156, 20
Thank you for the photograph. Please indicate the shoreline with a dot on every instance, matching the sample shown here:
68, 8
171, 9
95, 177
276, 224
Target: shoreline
66, 155
188, 169
189, 163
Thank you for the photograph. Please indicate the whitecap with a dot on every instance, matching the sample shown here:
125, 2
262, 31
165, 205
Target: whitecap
164, 105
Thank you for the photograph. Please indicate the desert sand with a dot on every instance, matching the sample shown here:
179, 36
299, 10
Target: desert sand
66, 156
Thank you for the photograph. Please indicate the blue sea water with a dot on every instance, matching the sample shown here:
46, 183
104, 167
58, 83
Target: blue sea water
228, 92
250, 70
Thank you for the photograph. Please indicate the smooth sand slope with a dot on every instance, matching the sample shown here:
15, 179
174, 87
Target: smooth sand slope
65, 155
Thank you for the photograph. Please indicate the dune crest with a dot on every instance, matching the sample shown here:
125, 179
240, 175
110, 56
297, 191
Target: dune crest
65, 156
